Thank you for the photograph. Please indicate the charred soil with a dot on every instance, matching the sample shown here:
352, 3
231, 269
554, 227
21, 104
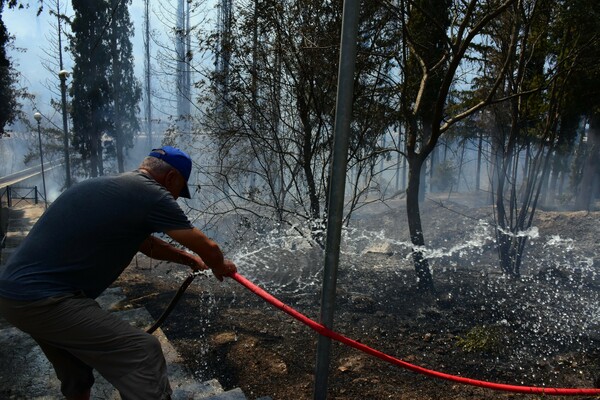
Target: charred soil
539, 330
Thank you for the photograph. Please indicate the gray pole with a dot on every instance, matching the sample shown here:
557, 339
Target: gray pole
148, 73
62, 75
38, 118
337, 177
63, 93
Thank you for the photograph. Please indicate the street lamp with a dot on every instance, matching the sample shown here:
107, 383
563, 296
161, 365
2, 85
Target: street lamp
38, 118
63, 75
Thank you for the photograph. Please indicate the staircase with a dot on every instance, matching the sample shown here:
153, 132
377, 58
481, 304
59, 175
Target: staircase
25, 373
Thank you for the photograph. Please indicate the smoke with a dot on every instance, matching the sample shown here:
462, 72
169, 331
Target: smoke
12, 153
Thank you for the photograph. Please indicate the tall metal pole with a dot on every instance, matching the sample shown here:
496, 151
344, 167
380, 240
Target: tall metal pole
38, 118
148, 73
337, 185
63, 92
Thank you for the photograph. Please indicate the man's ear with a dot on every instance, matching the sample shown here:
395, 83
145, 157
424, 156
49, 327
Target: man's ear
170, 176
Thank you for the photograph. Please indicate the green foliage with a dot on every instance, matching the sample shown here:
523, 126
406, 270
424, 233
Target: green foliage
8, 93
90, 86
105, 91
444, 176
482, 338
124, 87
277, 98
427, 28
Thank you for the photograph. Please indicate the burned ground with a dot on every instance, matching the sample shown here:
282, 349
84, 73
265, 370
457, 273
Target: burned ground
540, 330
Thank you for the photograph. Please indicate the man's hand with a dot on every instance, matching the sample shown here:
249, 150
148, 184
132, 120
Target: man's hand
209, 250
227, 269
196, 263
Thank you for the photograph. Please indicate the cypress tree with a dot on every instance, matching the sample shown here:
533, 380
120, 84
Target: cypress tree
90, 88
8, 93
125, 88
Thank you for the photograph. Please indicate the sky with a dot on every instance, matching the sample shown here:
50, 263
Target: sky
31, 34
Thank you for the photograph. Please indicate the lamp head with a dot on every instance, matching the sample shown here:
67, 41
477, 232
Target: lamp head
37, 116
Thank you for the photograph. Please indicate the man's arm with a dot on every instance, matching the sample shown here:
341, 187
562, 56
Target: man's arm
207, 249
160, 250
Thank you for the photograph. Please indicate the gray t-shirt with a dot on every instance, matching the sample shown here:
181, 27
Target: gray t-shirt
88, 236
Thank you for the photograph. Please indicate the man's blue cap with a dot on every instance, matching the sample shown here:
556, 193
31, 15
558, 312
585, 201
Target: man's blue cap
177, 159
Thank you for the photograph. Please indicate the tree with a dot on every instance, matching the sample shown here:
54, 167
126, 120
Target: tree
590, 174
523, 116
537, 122
580, 37
90, 87
105, 91
436, 52
8, 92
424, 69
126, 90
275, 104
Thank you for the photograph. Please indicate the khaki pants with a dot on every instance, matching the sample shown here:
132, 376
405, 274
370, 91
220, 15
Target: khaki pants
78, 336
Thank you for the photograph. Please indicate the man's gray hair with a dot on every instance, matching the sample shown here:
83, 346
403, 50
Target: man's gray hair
156, 165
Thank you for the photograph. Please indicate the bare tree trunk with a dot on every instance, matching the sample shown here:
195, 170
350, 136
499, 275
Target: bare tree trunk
95, 155
590, 169
479, 154
504, 163
315, 208
119, 148
463, 145
147, 74
117, 125
424, 277
503, 237
100, 155
553, 184
433, 161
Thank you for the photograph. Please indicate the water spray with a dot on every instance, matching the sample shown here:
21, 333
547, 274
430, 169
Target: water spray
324, 331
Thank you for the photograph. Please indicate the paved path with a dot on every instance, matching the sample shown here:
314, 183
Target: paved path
17, 177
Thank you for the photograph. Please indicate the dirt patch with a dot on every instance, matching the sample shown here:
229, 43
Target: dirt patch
540, 330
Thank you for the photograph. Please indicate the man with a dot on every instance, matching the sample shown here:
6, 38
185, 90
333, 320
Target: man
81, 245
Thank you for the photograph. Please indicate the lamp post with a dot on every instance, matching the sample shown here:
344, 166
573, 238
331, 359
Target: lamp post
38, 118
63, 75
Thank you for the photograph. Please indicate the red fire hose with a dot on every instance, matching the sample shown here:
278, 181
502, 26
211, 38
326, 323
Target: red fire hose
436, 374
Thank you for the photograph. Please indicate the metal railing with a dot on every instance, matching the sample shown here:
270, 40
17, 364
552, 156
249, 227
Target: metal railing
10, 196
17, 194
3, 216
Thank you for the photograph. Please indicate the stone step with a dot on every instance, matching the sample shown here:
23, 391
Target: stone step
17, 230
4, 255
234, 394
14, 238
197, 390
20, 221
197, 393
23, 223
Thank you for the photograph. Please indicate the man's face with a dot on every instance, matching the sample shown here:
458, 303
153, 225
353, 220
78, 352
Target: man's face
174, 183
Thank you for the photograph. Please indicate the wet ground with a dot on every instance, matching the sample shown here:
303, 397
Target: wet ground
541, 330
